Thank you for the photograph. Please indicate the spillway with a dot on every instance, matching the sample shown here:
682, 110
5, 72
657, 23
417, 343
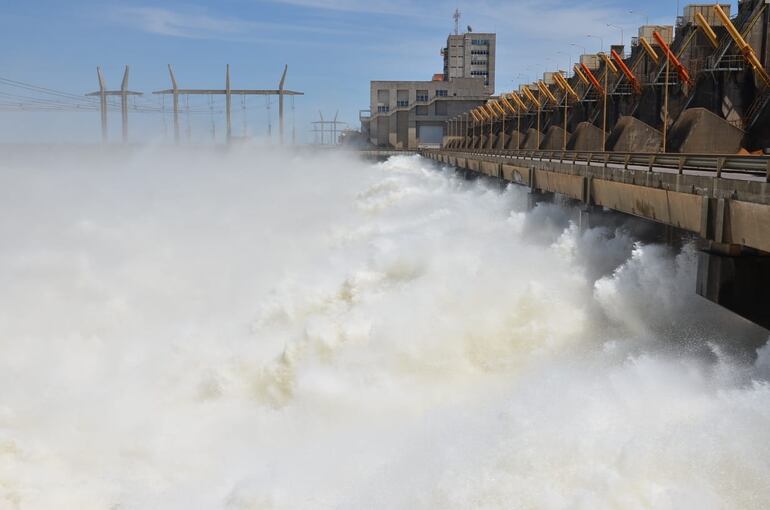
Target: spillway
257, 329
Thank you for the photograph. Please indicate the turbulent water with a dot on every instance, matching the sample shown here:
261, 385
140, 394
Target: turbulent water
245, 330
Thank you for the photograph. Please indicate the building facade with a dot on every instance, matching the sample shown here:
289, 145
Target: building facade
409, 114
471, 55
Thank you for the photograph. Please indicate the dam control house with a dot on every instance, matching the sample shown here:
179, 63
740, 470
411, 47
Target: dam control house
412, 114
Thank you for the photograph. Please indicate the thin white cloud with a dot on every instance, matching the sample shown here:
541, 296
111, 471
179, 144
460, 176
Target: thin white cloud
161, 21
355, 6
199, 24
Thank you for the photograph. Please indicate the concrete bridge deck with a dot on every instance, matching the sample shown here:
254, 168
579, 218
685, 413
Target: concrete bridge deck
725, 199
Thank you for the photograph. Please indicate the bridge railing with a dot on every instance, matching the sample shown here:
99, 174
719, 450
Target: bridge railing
714, 163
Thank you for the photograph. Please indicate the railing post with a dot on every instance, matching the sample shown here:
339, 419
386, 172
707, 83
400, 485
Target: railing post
720, 165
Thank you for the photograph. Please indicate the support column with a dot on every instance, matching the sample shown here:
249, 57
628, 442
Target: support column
102, 103
228, 104
124, 105
280, 102
175, 93
737, 280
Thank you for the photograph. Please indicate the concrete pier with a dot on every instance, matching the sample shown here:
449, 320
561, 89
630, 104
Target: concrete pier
586, 137
738, 282
633, 135
698, 131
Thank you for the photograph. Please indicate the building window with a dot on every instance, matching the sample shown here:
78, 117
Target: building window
383, 109
441, 107
479, 42
402, 103
479, 73
421, 110
441, 93
422, 96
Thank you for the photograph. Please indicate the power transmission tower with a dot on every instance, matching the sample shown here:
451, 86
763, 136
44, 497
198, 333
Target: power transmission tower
322, 127
123, 93
228, 92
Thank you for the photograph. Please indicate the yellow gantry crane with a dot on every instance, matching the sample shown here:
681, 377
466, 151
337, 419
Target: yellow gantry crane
649, 49
545, 91
565, 86
704, 25
516, 99
516, 103
607, 62
507, 103
532, 99
746, 49
580, 75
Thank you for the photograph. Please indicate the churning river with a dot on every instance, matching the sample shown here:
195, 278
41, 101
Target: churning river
258, 329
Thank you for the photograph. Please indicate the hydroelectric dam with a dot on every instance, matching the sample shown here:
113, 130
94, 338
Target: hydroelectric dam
676, 131
548, 291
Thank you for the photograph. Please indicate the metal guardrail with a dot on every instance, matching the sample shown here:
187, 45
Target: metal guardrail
716, 163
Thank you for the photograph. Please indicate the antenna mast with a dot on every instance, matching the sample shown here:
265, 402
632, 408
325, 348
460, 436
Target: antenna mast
456, 17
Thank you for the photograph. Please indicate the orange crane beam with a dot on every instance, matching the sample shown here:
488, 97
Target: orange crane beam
680, 69
594, 82
746, 49
623, 67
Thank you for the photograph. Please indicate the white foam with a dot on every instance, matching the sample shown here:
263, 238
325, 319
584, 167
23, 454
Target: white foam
256, 329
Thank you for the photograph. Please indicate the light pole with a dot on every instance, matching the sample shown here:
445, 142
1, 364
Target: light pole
518, 127
610, 25
564, 145
601, 40
533, 70
642, 14
665, 107
569, 57
583, 48
539, 103
501, 136
579, 46
604, 109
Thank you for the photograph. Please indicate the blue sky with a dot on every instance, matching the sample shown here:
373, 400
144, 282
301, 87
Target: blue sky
333, 48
